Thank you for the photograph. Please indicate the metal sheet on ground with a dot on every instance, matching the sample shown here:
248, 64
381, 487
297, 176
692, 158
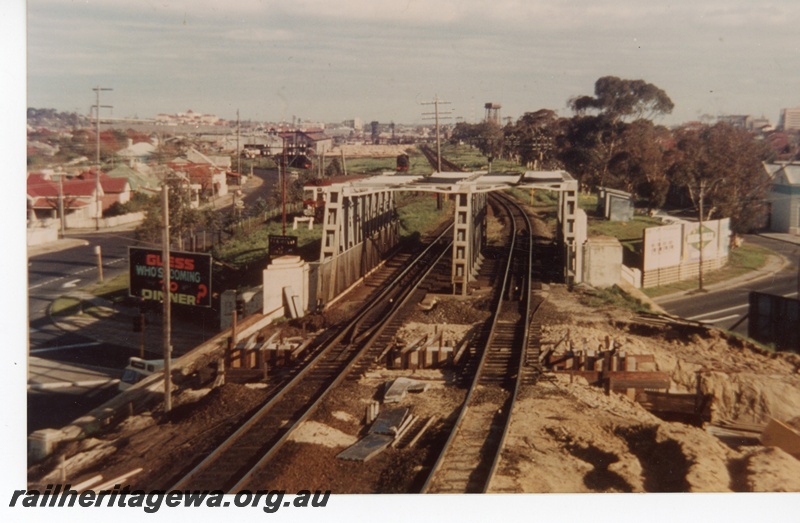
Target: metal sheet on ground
399, 387
388, 421
367, 448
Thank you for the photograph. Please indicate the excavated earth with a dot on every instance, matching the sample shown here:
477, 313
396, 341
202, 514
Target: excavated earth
565, 435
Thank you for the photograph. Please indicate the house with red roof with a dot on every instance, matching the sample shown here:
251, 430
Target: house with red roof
113, 190
79, 197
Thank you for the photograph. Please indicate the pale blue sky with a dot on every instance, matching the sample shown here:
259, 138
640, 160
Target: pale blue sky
379, 59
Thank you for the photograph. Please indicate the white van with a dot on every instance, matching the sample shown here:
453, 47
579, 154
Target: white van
137, 370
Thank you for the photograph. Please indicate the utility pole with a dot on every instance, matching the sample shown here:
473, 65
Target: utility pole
61, 204
444, 115
97, 106
238, 152
436, 102
167, 301
700, 271
283, 187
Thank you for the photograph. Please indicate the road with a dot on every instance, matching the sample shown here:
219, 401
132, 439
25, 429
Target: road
54, 274
723, 306
69, 373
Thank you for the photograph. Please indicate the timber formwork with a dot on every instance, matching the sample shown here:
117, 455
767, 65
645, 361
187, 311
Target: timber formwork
359, 230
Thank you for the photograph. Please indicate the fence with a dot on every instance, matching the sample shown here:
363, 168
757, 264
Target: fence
684, 271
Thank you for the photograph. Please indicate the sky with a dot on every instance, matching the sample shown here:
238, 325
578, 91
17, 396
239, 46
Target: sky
381, 60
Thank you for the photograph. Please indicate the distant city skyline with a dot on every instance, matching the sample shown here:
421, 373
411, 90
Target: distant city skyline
333, 61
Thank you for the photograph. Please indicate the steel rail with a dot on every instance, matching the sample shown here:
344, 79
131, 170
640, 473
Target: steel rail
529, 312
371, 336
476, 379
313, 363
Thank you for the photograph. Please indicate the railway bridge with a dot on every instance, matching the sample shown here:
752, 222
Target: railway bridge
360, 221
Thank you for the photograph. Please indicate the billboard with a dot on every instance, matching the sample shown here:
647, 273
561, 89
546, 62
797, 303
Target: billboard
662, 246
190, 276
696, 240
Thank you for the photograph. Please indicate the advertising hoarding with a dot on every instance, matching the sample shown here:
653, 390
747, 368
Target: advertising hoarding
662, 246
190, 276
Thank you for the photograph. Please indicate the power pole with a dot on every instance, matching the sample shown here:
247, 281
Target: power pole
283, 184
61, 204
167, 301
238, 152
700, 271
437, 115
97, 106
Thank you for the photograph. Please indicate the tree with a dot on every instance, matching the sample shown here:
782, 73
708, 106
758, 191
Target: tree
639, 166
183, 217
720, 166
594, 141
531, 140
334, 168
587, 146
620, 99
487, 136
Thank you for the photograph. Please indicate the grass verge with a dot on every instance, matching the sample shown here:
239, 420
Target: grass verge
615, 297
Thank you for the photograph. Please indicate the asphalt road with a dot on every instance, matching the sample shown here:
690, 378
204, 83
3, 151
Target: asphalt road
724, 306
58, 356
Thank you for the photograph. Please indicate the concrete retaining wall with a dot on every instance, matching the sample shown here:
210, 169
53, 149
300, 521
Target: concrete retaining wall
602, 261
74, 222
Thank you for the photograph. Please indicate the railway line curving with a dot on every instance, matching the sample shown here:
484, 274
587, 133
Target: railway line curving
471, 452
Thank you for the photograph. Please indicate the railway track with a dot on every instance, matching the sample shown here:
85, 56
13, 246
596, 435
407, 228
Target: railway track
471, 452
430, 155
233, 464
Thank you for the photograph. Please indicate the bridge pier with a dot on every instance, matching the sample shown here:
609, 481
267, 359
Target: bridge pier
469, 237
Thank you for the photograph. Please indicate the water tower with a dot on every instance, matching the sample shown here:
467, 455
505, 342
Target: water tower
492, 112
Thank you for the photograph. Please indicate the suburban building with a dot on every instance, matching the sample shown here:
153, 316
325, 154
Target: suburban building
790, 119
141, 178
309, 143
784, 197
79, 197
112, 190
136, 152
